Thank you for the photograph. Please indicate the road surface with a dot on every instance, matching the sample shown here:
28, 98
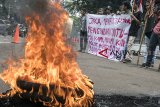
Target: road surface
109, 77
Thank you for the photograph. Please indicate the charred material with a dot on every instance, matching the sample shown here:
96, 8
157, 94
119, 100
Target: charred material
16, 101
39, 92
100, 101
36, 92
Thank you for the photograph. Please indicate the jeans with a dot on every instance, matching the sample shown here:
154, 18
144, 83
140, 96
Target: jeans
154, 41
83, 40
147, 40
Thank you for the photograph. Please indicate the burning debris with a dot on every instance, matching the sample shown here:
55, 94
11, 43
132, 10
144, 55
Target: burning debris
49, 73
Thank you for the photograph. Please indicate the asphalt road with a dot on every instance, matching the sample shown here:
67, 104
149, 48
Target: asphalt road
109, 77
118, 78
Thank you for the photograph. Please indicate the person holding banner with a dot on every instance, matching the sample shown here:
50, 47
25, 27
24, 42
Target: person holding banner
125, 9
108, 10
133, 32
100, 11
83, 31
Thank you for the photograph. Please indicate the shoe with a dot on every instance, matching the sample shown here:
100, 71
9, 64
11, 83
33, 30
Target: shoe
148, 65
83, 51
152, 65
143, 65
126, 61
123, 61
80, 50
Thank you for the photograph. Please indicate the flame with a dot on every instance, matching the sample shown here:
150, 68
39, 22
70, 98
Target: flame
50, 61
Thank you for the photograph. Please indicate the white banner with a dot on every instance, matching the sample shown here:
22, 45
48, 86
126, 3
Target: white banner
107, 35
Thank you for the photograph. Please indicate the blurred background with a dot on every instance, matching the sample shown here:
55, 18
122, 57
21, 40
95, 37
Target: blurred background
10, 13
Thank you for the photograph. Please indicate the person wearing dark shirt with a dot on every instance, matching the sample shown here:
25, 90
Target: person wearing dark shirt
155, 38
83, 31
133, 32
148, 32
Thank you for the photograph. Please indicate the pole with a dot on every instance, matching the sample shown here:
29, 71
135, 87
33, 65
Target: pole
148, 14
133, 6
142, 38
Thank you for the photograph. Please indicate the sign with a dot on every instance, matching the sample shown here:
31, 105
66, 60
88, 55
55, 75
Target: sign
107, 35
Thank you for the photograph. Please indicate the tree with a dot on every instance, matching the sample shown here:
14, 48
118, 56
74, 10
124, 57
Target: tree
4, 11
74, 6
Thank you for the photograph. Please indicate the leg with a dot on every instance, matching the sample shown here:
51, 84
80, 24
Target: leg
85, 41
130, 44
125, 51
146, 51
147, 40
151, 50
124, 54
81, 41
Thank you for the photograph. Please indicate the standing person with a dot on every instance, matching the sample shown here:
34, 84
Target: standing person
154, 40
83, 31
125, 9
148, 33
108, 10
133, 32
121, 9
100, 11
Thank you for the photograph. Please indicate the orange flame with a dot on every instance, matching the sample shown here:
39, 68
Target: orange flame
49, 60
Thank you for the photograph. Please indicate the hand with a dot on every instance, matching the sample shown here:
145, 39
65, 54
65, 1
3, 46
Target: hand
132, 15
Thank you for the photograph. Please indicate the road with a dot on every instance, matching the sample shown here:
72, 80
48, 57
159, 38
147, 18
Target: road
118, 78
109, 77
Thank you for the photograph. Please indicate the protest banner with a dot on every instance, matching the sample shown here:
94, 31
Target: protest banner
107, 35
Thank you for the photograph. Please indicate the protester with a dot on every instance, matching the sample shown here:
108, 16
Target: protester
155, 39
108, 10
121, 9
118, 12
83, 31
133, 32
100, 11
125, 8
148, 33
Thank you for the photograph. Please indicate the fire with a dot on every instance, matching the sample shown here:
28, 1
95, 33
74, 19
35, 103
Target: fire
50, 64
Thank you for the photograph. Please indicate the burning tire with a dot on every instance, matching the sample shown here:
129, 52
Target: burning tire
48, 73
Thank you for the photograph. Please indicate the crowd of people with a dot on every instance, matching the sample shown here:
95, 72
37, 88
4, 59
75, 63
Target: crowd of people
152, 32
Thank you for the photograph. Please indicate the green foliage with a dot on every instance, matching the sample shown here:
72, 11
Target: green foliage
92, 6
4, 9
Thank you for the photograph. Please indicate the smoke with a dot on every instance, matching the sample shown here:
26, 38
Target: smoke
34, 6
46, 11
29, 7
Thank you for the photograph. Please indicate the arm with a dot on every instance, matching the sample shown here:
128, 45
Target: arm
134, 18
